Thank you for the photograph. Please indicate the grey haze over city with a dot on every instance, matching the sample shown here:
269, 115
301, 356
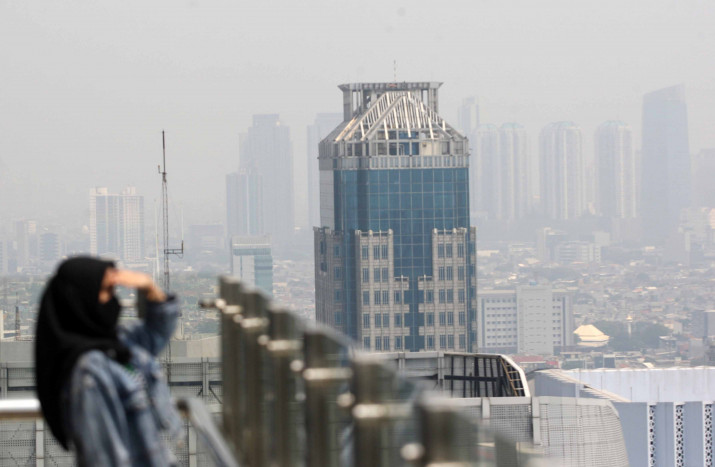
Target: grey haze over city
86, 88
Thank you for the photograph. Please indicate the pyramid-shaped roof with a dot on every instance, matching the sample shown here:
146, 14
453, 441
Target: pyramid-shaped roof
393, 110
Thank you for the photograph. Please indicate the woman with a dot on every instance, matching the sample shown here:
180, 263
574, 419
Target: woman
100, 386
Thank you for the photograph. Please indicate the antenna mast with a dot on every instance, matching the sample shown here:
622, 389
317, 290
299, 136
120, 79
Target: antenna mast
165, 220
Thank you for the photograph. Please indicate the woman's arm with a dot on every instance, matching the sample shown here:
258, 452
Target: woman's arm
161, 312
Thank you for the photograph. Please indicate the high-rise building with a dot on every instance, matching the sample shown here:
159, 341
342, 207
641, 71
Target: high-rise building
252, 261
615, 171
703, 186
267, 148
484, 170
244, 202
513, 169
665, 162
26, 243
532, 319
3, 257
116, 223
323, 124
395, 252
562, 184
50, 247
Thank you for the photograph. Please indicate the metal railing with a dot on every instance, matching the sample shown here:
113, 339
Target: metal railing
299, 394
18, 410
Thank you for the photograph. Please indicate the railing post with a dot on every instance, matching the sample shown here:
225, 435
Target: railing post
375, 411
446, 436
284, 349
324, 375
252, 327
229, 289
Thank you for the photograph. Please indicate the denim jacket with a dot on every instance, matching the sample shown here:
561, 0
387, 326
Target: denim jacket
115, 413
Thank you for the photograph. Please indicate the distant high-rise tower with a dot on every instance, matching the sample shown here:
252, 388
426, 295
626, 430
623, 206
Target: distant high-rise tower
394, 255
244, 202
267, 148
513, 200
562, 186
323, 124
665, 162
703, 170
615, 171
484, 170
116, 223
252, 261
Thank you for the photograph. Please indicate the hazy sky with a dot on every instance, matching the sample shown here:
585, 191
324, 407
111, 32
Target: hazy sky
86, 87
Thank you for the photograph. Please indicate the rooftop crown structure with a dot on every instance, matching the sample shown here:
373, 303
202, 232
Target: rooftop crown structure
394, 251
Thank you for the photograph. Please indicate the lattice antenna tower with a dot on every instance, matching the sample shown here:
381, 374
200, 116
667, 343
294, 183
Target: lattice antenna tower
165, 220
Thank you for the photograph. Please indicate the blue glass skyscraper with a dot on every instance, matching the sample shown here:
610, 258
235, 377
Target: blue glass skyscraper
394, 252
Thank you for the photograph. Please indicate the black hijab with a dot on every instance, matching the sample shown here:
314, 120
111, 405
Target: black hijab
72, 321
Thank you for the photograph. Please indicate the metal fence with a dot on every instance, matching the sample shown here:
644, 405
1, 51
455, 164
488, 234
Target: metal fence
299, 394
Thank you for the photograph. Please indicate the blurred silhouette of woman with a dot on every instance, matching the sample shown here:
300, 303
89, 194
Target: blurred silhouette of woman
100, 386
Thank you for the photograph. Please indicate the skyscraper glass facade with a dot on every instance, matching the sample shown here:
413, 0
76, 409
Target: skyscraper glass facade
386, 202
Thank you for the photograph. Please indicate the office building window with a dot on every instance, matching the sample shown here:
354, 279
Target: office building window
398, 296
376, 252
366, 320
440, 273
450, 319
376, 297
385, 297
385, 275
450, 273
366, 298
462, 320
365, 275
442, 296
430, 319
442, 318
430, 342
378, 320
386, 320
430, 296
450, 296
449, 250
376, 275
460, 250
450, 341
365, 252
385, 343
338, 296
336, 251
384, 252
398, 343
440, 250
366, 343
378, 343
442, 341
336, 272
460, 273
398, 320
462, 343
460, 295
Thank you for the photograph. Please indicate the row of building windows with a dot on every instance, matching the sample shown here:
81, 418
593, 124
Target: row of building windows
378, 275
447, 273
381, 320
382, 343
378, 252
445, 318
447, 250
382, 297
446, 341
